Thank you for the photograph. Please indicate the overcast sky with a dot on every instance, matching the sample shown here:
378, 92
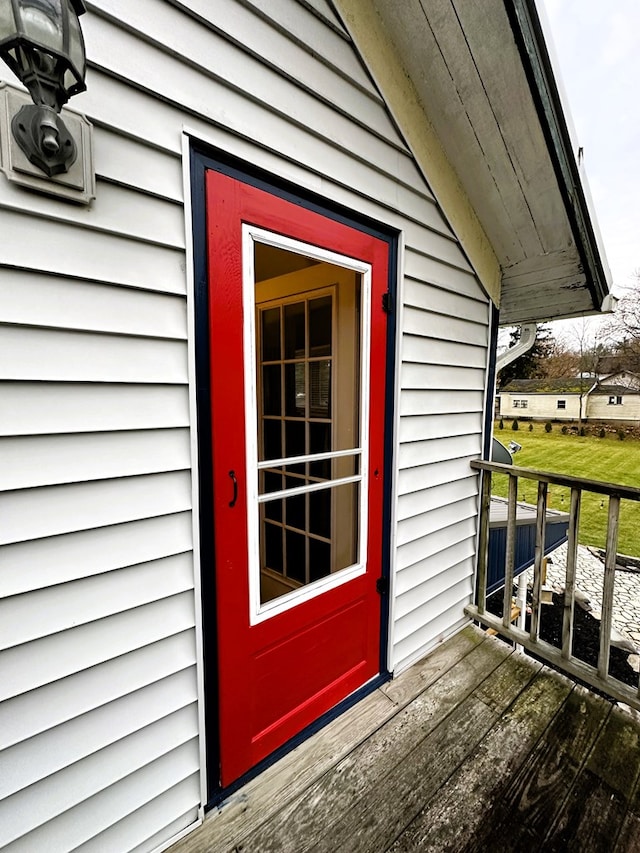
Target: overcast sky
596, 47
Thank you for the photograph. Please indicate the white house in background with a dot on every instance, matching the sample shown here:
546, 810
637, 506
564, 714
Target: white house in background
623, 378
614, 401
544, 399
242, 386
617, 398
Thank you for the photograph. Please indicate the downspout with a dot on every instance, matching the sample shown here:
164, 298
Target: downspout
527, 340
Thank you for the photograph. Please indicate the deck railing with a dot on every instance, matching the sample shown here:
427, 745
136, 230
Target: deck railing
562, 658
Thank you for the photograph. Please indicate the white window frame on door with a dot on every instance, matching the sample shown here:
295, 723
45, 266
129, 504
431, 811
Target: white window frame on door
260, 612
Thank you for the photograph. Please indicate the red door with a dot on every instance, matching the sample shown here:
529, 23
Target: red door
297, 341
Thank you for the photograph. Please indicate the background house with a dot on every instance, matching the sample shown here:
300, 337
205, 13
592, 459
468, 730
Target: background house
613, 401
615, 398
412, 161
544, 399
621, 378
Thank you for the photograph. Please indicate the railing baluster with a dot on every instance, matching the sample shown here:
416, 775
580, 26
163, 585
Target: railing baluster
483, 542
510, 554
562, 658
570, 579
608, 585
541, 513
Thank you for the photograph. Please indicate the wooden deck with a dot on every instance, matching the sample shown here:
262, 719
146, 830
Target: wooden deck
476, 748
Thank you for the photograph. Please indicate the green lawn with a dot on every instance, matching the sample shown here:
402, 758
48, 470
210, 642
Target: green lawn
606, 459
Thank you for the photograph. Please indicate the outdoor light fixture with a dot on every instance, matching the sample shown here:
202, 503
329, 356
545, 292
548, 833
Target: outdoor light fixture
41, 42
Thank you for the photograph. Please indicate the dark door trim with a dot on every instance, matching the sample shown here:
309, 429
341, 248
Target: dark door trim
202, 159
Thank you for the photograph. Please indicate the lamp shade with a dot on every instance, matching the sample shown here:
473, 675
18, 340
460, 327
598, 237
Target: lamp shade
41, 41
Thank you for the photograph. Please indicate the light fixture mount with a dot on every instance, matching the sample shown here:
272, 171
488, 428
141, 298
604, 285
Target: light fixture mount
44, 138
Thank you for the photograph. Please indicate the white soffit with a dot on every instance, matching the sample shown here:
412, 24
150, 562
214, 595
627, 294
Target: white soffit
470, 75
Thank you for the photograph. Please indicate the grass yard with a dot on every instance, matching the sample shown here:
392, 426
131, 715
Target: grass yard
606, 459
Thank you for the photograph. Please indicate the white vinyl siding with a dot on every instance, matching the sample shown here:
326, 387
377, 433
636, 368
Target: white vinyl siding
543, 406
98, 681
442, 381
599, 407
595, 406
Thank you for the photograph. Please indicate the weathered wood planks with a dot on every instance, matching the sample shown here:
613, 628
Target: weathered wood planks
288, 780
378, 818
599, 799
534, 796
313, 815
464, 802
476, 748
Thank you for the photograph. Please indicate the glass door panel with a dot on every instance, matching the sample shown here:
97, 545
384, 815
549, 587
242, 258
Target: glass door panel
308, 431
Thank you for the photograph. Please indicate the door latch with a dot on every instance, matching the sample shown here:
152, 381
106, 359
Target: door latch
382, 586
234, 479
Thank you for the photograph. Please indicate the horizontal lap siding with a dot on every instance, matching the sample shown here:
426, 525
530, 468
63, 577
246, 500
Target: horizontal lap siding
543, 406
59, 608
599, 408
45, 460
98, 697
52, 657
36, 408
98, 688
441, 402
65, 699
46, 354
97, 255
28, 299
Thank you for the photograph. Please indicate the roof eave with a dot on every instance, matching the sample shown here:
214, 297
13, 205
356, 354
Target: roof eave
529, 37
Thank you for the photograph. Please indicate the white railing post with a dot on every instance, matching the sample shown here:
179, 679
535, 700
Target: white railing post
483, 543
541, 517
608, 585
570, 577
510, 553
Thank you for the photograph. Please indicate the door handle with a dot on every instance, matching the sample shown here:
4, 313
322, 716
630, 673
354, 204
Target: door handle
233, 500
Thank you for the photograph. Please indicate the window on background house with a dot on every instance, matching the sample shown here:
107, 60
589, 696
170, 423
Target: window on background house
615, 400
520, 404
562, 404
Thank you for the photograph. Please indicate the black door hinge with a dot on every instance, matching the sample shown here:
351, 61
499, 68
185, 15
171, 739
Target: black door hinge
387, 302
382, 586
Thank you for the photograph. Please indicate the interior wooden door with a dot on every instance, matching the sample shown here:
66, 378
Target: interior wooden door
298, 351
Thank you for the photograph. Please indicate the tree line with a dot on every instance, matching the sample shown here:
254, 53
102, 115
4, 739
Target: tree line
584, 352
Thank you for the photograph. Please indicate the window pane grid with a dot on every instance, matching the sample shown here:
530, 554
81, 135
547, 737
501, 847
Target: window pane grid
308, 491
308, 533
311, 457
314, 487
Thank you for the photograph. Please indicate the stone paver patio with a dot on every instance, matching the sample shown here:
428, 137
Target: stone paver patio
589, 580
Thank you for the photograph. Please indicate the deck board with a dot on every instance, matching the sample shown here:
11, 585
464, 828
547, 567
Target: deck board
534, 796
463, 804
599, 800
476, 748
367, 767
378, 818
